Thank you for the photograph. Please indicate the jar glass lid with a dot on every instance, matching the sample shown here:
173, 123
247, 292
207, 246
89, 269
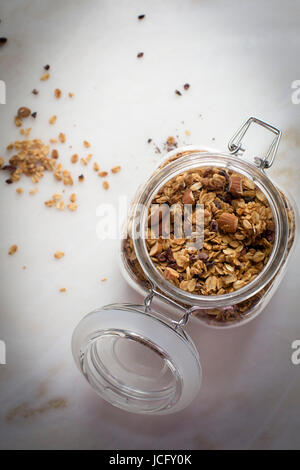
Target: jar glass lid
137, 361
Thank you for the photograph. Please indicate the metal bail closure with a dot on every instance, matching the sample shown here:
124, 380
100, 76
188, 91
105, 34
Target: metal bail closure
137, 359
235, 143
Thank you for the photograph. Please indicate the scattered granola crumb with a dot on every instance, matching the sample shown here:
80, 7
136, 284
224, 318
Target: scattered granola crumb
3, 41
1, 162
18, 121
19, 190
70, 94
74, 158
102, 174
140, 55
53, 141
33, 191
149, 141
86, 144
73, 197
141, 17
177, 92
47, 67
25, 132
96, 166
62, 289
83, 161
105, 185
186, 86
59, 254
49, 203
23, 112
89, 157
81, 178
52, 120
24, 267
34, 115
187, 133
13, 249
45, 76
60, 205
57, 197
72, 206
116, 169
104, 279
57, 93
35, 91
54, 154
62, 137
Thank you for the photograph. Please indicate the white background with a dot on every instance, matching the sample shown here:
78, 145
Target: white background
240, 59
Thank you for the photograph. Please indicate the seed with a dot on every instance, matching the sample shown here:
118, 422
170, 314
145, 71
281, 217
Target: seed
62, 137
116, 169
72, 206
177, 92
52, 120
45, 76
18, 121
13, 249
23, 112
141, 17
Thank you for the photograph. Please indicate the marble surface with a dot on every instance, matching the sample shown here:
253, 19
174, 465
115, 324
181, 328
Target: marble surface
240, 59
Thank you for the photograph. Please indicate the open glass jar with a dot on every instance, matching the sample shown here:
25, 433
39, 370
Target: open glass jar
139, 359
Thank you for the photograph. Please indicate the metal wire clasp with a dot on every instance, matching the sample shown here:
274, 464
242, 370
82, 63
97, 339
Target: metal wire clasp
235, 143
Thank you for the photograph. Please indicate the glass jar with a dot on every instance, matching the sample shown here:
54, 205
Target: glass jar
143, 361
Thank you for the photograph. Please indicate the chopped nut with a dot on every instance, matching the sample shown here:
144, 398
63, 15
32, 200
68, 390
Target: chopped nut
13, 249
228, 222
235, 185
102, 174
57, 93
116, 169
188, 197
45, 76
105, 185
62, 137
52, 120
74, 158
23, 112
59, 254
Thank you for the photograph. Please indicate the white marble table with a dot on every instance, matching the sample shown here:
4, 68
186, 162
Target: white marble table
240, 59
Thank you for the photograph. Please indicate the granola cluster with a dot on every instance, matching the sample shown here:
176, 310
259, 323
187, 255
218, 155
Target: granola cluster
238, 232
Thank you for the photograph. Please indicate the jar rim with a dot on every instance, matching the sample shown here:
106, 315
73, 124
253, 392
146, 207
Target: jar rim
196, 159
